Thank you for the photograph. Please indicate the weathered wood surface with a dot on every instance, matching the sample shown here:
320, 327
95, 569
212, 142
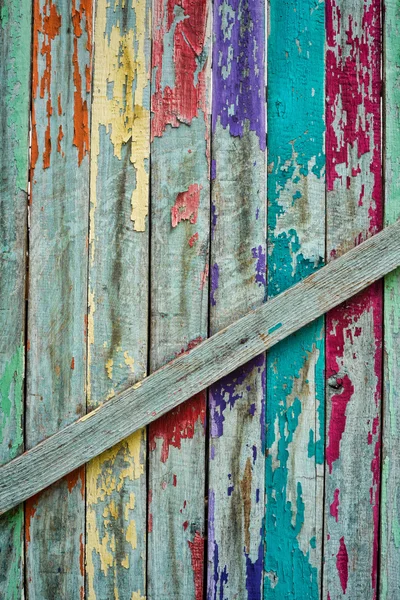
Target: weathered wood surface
180, 209
56, 357
390, 498
296, 248
15, 54
199, 368
118, 292
237, 273
353, 331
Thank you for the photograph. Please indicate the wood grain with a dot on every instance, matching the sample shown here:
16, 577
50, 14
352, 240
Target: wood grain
118, 292
390, 498
56, 357
296, 248
15, 54
199, 368
237, 273
180, 200
353, 331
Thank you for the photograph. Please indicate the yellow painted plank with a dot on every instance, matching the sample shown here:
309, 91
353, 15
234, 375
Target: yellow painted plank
118, 274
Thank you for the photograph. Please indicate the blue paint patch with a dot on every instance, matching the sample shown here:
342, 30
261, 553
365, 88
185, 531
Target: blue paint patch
261, 265
214, 283
254, 573
274, 328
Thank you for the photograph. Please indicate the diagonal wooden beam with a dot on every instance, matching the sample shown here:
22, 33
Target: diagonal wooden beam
193, 371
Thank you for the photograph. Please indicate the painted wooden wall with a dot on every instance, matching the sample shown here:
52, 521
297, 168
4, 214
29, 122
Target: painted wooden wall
57, 297
180, 218
15, 60
237, 283
118, 291
353, 331
389, 552
296, 248
167, 165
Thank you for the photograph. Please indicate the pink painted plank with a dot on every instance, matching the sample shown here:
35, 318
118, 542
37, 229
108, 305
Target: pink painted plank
354, 330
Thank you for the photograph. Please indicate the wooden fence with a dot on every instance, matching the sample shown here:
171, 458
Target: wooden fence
143, 209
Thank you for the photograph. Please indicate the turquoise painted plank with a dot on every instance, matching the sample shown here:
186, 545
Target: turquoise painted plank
180, 218
116, 492
296, 248
15, 55
238, 281
390, 497
56, 358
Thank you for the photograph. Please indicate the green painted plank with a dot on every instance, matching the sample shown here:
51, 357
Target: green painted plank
238, 280
15, 54
296, 248
354, 330
390, 498
180, 217
118, 291
56, 358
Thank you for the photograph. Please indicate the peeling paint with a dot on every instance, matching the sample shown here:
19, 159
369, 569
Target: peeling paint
118, 293
180, 29
107, 480
123, 115
389, 574
186, 206
177, 425
180, 152
197, 549
354, 330
296, 248
237, 272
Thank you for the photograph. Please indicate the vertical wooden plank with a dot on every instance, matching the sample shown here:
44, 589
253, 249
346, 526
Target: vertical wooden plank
238, 281
15, 54
58, 283
296, 248
179, 289
390, 497
354, 330
118, 291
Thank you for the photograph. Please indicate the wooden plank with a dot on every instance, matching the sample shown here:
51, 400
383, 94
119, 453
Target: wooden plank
199, 368
353, 331
180, 197
296, 248
56, 359
15, 54
236, 404
390, 498
118, 291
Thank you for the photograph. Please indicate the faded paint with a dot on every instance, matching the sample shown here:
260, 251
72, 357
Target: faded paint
186, 205
354, 330
107, 478
179, 63
180, 209
120, 79
296, 248
118, 290
61, 49
236, 467
15, 54
178, 425
390, 497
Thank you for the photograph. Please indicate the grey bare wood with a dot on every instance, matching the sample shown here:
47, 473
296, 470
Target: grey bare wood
192, 372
